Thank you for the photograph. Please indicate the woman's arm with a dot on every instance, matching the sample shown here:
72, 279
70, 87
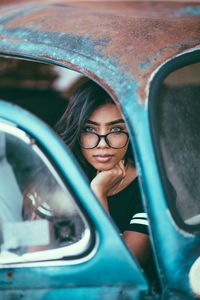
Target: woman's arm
139, 245
106, 181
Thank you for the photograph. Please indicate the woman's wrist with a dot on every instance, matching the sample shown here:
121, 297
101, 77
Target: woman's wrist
98, 190
100, 195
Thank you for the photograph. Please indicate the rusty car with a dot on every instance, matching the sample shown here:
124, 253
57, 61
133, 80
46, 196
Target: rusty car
146, 55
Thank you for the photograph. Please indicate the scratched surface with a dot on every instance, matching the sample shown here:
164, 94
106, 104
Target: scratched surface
128, 41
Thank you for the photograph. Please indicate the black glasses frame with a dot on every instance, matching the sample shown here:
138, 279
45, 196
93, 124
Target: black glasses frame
105, 136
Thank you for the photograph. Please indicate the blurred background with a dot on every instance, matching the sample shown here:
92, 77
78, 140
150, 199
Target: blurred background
40, 88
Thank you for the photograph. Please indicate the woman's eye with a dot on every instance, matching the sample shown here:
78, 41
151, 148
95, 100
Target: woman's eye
117, 129
89, 129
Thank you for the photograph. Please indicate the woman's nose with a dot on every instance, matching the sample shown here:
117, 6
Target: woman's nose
102, 143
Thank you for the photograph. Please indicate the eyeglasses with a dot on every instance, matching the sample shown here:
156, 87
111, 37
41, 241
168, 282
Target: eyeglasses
116, 140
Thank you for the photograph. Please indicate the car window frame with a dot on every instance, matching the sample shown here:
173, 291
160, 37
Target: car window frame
174, 63
24, 260
100, 255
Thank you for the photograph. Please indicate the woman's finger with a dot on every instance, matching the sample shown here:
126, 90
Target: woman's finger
121, 164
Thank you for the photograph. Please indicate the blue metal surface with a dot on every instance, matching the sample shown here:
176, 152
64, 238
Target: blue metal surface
95, 293
188, 11
175, 249
111, 265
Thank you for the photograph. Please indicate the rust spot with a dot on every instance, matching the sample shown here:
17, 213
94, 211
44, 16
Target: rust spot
10, 275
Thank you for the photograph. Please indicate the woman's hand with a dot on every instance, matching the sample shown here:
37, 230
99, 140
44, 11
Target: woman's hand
106, 181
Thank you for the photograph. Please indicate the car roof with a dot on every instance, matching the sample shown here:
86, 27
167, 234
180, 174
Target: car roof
112, 42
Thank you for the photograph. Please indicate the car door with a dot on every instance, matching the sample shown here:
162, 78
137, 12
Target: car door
56, 240
168, 146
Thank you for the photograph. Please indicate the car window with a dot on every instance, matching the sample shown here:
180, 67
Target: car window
178, 128
39, 218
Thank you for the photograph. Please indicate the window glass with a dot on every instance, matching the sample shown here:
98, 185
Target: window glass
37, 212
178, 126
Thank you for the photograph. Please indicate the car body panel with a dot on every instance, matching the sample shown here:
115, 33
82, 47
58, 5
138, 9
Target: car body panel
74, 293
122, 46
47, 31
100, 261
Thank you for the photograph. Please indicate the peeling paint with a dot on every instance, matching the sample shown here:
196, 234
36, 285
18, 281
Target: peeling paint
188, 11
12, 15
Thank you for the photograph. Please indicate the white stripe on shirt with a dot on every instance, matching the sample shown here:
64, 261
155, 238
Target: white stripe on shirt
140, 215
139, 221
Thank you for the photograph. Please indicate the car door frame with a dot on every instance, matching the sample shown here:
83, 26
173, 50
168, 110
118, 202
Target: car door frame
107, 269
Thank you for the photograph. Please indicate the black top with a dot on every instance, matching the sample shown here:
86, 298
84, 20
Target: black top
126, 209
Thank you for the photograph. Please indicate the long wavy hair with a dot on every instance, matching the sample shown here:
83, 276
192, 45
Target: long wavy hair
85, 100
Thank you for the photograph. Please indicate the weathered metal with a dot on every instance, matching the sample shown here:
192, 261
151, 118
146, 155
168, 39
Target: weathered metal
129, 40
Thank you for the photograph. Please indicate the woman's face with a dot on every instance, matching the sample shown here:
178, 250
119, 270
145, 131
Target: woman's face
105, 119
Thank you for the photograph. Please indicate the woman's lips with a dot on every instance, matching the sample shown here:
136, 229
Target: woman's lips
103, 158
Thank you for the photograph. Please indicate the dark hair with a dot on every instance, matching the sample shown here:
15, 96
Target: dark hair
86, 99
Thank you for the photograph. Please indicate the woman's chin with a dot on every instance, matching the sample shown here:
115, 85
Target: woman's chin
103, 166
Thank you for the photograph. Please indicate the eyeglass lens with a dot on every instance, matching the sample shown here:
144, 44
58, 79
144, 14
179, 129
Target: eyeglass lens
116, 140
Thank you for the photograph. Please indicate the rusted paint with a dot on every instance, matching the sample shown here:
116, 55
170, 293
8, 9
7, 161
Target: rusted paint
10, 275
130, 39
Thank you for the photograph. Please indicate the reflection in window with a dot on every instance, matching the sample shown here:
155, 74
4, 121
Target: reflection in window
37, 212
45, 199
178, 116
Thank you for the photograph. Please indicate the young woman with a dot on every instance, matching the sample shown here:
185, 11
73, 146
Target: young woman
93, 128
